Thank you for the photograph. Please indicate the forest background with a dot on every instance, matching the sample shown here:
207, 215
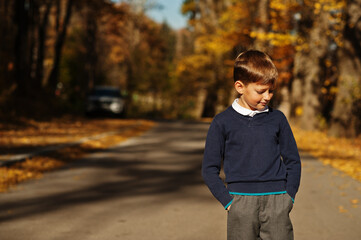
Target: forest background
52, 52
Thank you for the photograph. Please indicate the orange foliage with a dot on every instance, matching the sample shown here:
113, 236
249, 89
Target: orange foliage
283, 58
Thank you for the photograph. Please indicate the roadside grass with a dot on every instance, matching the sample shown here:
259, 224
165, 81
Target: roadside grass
31, 135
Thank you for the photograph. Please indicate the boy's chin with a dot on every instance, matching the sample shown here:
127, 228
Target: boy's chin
261, 107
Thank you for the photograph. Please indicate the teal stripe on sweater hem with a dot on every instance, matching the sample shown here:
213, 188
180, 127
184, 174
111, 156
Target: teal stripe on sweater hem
257, 194
228, 204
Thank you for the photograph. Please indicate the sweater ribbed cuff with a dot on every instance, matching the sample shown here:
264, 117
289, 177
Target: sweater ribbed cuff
292, 192
228, 204
226, 200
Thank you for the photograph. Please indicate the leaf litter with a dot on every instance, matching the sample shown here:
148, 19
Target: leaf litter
15, 139
342, 154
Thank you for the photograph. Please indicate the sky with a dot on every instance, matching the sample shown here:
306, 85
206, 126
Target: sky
171, 12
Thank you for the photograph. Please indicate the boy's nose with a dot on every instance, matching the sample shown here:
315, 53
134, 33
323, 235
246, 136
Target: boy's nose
267, 96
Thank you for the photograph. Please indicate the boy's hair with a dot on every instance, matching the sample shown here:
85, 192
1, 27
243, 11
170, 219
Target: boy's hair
255, 66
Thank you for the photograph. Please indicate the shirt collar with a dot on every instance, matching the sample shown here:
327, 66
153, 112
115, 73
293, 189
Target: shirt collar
246, 112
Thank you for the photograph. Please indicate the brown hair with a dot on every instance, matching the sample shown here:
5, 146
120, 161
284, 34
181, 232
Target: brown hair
255, 66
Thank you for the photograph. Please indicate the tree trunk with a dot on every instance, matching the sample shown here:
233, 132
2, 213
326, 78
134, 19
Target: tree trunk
211, 10
297, 86
213, 86
57, 15
39, 71
6, 46
311, 104
21, 64
285, 105
346, 115
54, 74
262, 27
90, 44
308, 70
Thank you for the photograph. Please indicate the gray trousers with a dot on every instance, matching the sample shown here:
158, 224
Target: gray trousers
260, 218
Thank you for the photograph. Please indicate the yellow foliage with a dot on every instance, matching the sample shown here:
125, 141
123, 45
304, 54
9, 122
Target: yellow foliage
299, 111
334, 11
192, 63
189, 7
334, 90
117, 54
275, 39
212, 43
317, 6
328, 63
354, 201
341, 209
327, 82
283, 5
233, 16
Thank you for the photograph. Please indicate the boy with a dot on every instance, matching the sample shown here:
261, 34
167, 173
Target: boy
260, 156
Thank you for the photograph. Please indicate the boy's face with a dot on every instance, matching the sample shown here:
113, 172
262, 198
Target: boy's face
254, 96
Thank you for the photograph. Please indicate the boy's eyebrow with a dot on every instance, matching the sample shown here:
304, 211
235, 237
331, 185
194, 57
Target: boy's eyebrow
264, 87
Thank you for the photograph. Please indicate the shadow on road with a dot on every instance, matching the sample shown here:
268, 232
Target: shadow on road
165, 160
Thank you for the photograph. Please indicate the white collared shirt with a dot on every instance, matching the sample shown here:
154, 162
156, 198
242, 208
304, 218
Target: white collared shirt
245, 111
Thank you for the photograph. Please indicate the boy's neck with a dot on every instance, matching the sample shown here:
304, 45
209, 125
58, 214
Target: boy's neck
245, 111
244, 105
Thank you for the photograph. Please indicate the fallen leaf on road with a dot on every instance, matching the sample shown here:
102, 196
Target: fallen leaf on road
354, 201
341, 209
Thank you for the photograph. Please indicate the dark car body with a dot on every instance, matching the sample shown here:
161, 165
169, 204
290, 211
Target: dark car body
105, 99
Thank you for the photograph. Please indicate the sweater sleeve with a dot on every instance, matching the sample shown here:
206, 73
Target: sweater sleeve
212, 161
290, 157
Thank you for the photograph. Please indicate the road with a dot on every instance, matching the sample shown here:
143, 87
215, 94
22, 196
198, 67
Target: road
150, 187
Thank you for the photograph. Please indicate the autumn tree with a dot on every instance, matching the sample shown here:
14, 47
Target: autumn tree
61, 48
276, 34
27, 36
61, 31
314, 44
7, 31
236, 26
85, 51
346, 115
207, 69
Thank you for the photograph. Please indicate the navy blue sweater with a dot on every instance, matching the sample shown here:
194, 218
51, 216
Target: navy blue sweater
259, 155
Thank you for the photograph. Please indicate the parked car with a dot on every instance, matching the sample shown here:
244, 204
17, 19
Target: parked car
105, 99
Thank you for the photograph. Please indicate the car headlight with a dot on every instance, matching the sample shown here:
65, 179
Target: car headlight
115, 106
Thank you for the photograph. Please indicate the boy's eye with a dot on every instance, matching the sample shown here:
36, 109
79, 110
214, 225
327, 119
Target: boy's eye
263, 91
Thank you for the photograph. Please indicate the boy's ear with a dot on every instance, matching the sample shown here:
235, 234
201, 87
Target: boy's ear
239, 86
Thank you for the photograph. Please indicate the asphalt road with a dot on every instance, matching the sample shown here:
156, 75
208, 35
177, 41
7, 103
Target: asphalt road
150, 187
